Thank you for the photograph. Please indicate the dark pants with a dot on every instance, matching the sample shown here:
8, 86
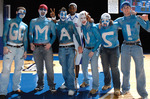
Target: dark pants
40, 55
110, 58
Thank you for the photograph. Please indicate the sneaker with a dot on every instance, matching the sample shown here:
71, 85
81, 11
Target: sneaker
117, 92
124, 92
38, 88
2, 96
71, 92
52, 89
63, 86
84, 85
76, 84
93, 91
18, 91
106, 87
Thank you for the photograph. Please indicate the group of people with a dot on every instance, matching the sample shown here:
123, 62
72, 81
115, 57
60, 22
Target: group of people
80, 41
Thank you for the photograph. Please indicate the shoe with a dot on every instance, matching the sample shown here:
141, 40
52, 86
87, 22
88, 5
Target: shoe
71, 92
93, 91
106, 87
76, 84
124, 92
2, 96
38, 88
84, 85
18, 91
117, 92
63, 86
52, 89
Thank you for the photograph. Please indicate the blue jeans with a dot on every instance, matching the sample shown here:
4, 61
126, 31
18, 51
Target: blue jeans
40, 55
94, 67
16, 55
110, 58
137, 53
66, 59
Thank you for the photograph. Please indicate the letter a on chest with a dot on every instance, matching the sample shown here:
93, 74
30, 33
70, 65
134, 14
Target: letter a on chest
64, 33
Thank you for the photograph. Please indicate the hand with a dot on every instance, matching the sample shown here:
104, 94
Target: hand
25, 55
80, 50
88, 17
133, 12
144, 17
6, 50
32, 46
47, 46
52, 13
100, 25
91, 54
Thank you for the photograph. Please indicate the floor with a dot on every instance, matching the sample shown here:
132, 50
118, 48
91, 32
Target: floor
29, 79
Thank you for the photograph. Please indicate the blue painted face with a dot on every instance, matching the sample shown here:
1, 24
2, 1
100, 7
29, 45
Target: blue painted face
63, 15
21, 13
105, 22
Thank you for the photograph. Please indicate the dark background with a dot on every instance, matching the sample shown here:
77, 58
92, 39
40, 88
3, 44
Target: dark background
95, 8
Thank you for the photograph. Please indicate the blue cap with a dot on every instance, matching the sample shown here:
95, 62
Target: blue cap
125, 3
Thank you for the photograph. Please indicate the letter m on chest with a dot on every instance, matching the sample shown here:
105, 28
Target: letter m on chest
41, 31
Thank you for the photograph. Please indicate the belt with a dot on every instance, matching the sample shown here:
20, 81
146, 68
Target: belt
89, 48
135, 43
14, 46
66, 46
39, 45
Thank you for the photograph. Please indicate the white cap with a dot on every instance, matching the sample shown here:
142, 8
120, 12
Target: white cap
105, 16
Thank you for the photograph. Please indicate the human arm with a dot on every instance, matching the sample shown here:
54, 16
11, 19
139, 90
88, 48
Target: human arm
25, 43
144, 21
32, 46
5, 33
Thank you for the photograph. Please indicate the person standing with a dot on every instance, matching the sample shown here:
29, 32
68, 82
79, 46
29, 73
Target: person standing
74, 17
65, 31
131, 46
41, 42
15, 48
109, 52
90, 52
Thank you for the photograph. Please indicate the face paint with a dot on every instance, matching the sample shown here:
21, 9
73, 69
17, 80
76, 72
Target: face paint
63, 15
42, 12
21, 13
83, 19
105, 19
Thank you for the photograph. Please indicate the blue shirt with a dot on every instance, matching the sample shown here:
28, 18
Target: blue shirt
15, 31
109, 35
40, 31
65, 31
91, 36
131, 27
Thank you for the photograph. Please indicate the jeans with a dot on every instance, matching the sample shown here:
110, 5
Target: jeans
137, 53
94, 67
110, 59
16, 55
40, 55
66, 59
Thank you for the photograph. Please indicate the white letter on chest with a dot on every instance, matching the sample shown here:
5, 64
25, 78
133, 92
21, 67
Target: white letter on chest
88, 38
64, 32
37, 28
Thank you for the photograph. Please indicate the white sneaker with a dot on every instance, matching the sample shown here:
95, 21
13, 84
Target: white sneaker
71, 92
76, 84
63, 86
